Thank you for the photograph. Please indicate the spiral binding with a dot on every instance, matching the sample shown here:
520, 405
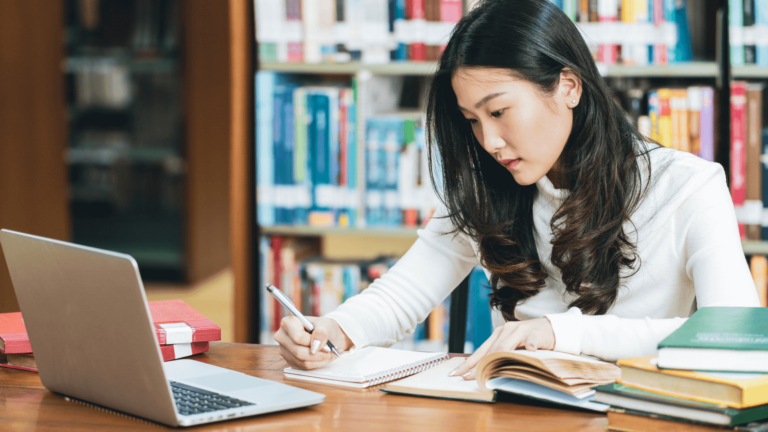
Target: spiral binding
407, 370
110, 411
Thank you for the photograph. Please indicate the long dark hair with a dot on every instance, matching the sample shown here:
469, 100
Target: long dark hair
535, 41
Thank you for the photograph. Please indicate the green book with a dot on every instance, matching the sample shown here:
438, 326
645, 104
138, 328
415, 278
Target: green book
728, 339
628, 398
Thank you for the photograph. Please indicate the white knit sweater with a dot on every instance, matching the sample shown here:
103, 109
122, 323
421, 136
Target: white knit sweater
690, 253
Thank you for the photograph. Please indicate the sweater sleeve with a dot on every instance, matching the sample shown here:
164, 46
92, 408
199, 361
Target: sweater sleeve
714, 261
394, 304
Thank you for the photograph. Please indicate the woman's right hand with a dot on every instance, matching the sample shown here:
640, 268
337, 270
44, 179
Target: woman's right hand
309, 351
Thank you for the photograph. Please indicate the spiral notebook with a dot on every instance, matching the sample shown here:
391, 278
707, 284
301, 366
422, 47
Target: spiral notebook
369, 366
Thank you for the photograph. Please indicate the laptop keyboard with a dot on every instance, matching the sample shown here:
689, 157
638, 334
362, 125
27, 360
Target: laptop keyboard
192, 400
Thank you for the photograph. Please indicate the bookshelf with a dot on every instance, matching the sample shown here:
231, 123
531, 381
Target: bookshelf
709, 68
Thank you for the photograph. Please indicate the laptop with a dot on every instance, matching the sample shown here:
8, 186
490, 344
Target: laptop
89, 325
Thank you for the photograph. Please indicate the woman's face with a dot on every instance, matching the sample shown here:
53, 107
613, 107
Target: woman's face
523, 129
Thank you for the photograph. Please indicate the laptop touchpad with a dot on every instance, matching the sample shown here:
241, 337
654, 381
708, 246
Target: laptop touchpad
227, 382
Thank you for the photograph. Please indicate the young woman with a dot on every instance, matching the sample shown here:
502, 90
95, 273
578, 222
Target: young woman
595, 241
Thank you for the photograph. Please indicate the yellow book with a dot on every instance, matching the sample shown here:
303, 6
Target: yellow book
737, 390
665, 118
759, 267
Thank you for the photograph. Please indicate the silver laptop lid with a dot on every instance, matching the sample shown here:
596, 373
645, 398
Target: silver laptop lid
88, 321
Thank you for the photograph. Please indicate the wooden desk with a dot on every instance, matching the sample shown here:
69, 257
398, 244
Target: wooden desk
26, 405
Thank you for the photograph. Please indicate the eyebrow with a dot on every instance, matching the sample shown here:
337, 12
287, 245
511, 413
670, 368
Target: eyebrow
484, 100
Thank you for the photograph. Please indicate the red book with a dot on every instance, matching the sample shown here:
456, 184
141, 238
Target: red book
418, 49
738, 148
13, 334
170, 352
173, 352
277, 271
175, 322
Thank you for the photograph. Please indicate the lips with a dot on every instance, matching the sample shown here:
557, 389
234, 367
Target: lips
510, 163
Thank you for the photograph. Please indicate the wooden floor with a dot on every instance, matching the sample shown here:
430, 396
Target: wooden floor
213, 297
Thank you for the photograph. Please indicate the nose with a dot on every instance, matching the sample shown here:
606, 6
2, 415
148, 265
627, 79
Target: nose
492, 140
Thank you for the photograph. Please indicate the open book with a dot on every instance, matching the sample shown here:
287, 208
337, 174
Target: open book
546, 375
369, 366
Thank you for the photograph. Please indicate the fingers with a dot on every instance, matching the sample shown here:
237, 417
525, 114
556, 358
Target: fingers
297, 363
295, 330
469, 376
472, 360
295, 341
319, 339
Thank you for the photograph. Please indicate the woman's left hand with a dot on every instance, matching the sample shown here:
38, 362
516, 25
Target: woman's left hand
532, 334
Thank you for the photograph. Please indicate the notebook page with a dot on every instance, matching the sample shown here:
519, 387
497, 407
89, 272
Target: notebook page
372, 363
437, 378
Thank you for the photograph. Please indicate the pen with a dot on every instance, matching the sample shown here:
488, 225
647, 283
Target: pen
285, 301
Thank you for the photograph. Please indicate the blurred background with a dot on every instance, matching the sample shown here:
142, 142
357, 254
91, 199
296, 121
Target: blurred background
231, 143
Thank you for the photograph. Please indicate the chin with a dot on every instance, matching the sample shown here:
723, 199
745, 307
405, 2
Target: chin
524, 180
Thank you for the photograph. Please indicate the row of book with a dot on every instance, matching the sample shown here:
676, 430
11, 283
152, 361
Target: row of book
748, 32
748, 166
709, 375
682, 119
378, 31
311, 169
181, 332
318, 286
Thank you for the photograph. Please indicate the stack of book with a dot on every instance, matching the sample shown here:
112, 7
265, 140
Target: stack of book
181, 332
710, 374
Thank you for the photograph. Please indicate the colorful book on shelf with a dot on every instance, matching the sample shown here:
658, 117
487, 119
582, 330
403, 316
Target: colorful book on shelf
619, 396
738, 150
736, 31
732, 339
544, 375
735, 390
764, 181
707, 131
761, 19
758, 265
752, 212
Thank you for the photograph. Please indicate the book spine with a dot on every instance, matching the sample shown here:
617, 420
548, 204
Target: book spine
736, 31
293, 31
694, 120
665, 118
669, 17
659, 50
707, 124
401, 30
675, 119
281, 157
683, 128
173, 352
654, 113
761, 35
418, 48
764, 181
758, 265
265, 83
738, 150
277, 266
607, 10
753, 206
750, 51
301, 170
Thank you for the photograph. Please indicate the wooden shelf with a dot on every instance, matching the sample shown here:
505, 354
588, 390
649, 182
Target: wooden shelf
755, 247
693, 69
750, 72
309, 231
751, 247
690, 70
394, 68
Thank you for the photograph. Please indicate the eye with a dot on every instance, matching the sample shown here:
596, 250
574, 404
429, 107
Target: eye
472, 121
498, 113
